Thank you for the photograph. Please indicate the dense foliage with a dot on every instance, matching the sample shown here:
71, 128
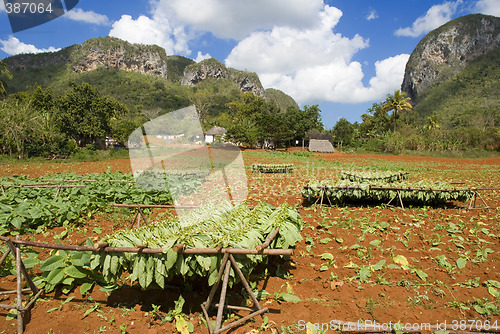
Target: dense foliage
459, 114
272, 168
422, 192
379, 176
31, 209
238, 227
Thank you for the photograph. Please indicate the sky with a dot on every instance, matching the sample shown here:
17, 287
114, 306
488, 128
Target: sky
342, 55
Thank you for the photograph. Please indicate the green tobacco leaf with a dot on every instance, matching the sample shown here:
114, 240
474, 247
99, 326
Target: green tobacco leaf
75, 272
461, 263
52, 263
85, 288
375, 242
401, 260
492, 283
379, 265
288, 297
492, 291
421, 274
56, 276
364, 273
327, 256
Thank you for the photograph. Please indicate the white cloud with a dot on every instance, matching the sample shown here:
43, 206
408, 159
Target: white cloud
436, 16
143, 30
77, 14
489, 7
291, 44
316, 64
14, 46
202, 56
372, 15
236, 19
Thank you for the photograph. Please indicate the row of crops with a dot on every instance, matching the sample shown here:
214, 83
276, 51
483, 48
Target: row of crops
24, 209
380, 186
272, 168
238, 227
378, 176
29, 208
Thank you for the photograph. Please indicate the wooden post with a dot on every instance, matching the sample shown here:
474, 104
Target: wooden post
19, 287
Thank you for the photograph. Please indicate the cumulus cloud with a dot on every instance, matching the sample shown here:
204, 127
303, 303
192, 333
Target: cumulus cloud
316, 64
143, 30
14, 46
372, 15
78, 14
436, 16
235, 19
202, 56
489, 7
291, 44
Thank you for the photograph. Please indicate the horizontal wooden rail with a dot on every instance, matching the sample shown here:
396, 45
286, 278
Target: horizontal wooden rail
44, 185
102, 247
167, 206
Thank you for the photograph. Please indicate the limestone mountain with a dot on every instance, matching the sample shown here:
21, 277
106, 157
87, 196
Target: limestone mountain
140, 76
447, 50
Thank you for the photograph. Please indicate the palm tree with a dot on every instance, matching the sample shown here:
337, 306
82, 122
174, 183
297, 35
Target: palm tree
432, 123
397, 103
4, 71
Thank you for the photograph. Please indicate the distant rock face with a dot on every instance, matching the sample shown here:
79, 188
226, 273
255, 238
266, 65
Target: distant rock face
448, 49
121, 55
102, 52
212, 68
194, 74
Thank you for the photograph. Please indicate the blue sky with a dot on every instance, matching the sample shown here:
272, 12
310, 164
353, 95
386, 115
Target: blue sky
343, 55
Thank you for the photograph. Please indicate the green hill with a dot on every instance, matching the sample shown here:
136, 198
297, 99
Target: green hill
470, 98
140, 76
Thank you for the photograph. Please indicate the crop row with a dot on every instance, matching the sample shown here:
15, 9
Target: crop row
378, 176
415, 192
238, 227
32, 208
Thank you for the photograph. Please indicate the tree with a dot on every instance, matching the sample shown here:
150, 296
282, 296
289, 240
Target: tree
19, 123
397, 103
202, 99
343, 132
4, 72
301, 122
86, 116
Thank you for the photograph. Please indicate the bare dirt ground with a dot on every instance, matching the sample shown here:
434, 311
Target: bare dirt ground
346, 285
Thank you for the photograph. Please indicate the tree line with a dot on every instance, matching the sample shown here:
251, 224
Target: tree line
404, 129
38, 122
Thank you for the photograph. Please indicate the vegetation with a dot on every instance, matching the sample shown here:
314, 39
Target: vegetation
397, 103
4, 72
461, 114
35, 209
238, 227
422, 192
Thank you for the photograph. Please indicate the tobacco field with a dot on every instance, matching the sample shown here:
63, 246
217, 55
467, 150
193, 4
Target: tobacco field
355, 259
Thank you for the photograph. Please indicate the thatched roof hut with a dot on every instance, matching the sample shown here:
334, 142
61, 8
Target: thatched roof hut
320, 145
214, 132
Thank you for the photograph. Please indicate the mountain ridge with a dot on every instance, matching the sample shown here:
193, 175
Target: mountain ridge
447, 50
109, 54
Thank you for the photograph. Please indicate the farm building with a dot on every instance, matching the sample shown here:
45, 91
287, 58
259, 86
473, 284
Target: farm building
213, 133
320, 145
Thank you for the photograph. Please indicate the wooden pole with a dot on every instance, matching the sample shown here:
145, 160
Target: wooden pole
199, 251
20, 311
